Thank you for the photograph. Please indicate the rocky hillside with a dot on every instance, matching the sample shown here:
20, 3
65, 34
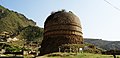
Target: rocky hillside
11, 21
106, 45
14, 24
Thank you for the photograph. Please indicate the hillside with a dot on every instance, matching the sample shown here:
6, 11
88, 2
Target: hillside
12, 22
106, 45
16, 30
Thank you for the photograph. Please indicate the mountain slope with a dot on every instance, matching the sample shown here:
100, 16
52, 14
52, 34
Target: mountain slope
106, 45
12, 22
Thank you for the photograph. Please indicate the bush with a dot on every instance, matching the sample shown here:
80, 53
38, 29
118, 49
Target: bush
13, 49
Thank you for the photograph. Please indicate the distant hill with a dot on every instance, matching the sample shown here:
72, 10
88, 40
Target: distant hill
106, 45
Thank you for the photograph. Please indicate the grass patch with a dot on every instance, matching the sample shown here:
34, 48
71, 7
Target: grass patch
78, 55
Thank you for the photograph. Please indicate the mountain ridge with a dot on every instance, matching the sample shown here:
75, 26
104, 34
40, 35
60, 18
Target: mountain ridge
104, 44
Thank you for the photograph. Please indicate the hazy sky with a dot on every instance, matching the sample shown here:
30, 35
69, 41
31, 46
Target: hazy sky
98, 18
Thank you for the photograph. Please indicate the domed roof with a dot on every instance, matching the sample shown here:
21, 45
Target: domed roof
61, 28
62, 17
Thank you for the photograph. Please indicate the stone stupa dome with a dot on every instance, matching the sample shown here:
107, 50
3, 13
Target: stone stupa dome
61, 28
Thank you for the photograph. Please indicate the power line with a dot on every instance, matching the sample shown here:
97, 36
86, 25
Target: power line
112, 5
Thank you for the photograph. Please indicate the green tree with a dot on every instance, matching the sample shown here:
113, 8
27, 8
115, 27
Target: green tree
31, 33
